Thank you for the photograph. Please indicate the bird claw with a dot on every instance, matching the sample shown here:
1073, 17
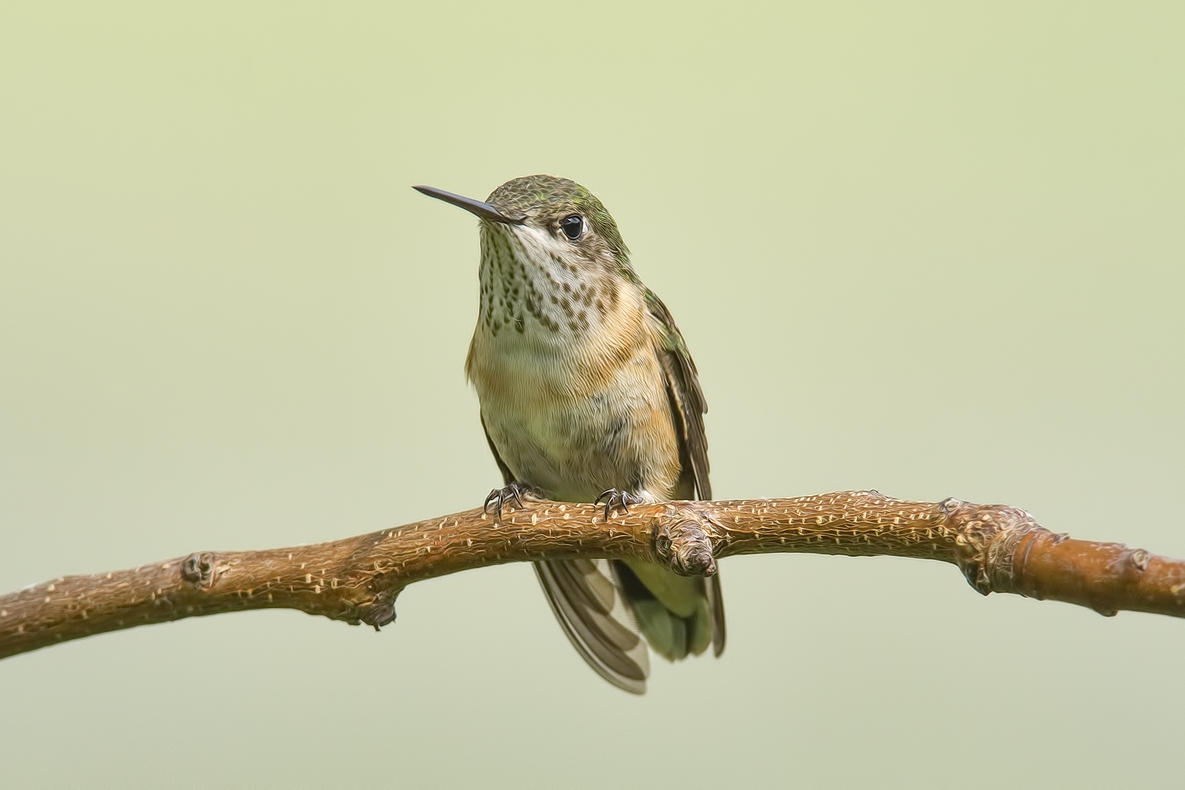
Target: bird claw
615, 499
511, 494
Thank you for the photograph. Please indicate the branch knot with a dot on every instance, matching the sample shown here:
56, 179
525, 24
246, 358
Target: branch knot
986, 540
683, 540
198, 569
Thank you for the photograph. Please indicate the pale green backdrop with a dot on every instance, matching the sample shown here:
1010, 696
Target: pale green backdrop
914, 247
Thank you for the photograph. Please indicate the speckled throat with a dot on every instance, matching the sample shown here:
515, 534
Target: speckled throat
530, 287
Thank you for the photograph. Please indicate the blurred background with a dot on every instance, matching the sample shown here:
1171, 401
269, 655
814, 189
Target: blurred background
932, 251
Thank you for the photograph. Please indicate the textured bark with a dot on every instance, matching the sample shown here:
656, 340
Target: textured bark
998, 548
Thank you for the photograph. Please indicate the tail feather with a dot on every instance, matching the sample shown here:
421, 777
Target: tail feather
673, 612
600, 627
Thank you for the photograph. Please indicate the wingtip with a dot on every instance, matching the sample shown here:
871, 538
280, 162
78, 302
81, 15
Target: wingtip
626, 669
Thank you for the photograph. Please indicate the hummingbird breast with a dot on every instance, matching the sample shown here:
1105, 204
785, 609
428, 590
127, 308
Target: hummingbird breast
564, 362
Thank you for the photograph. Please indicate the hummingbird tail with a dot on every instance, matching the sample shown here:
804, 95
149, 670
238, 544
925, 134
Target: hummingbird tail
677, 614
596, 619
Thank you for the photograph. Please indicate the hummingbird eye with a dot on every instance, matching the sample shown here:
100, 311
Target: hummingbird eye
572, 226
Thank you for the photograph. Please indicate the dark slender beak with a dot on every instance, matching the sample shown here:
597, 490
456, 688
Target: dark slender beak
483, 210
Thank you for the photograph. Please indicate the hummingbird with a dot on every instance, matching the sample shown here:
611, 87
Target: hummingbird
588, 394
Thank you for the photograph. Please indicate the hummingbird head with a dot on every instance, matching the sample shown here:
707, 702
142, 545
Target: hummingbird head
552, 259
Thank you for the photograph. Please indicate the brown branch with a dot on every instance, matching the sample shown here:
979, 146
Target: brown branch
998, 548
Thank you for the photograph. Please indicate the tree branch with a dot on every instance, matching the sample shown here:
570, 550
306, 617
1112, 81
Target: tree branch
998, 548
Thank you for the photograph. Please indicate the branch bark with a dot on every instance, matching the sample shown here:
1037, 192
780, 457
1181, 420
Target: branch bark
997, 547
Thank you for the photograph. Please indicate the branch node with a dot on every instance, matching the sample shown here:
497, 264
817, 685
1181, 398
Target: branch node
198, 569
1127, 567
1136, 559
948, 505
380, 611
987, 540
683, 540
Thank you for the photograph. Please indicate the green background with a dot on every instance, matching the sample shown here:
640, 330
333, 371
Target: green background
929, 251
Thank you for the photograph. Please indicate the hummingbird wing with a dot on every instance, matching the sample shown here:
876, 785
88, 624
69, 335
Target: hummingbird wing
689, 406
586, 600
687, 399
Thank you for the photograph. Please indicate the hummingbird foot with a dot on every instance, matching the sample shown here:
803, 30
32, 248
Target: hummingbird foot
511, 494
616, 499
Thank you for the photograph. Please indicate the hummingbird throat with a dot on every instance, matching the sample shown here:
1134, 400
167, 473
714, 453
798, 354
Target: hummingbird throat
535, 286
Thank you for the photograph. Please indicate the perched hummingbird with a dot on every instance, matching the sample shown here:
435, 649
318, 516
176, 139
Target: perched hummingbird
587, 393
